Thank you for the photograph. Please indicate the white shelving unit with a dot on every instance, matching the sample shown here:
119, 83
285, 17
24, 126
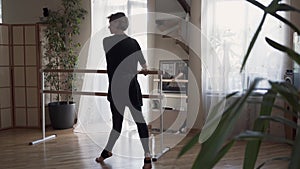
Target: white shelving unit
175, 102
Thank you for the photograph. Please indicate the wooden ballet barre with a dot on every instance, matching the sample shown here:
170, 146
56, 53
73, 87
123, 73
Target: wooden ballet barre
73, 71
89, 93
75, 92
92, 71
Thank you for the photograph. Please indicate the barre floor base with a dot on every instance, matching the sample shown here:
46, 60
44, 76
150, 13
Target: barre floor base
43, 139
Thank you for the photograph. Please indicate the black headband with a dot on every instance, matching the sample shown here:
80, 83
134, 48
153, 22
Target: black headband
115, 16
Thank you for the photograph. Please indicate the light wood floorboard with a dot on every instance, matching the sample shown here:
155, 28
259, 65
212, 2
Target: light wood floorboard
77, 151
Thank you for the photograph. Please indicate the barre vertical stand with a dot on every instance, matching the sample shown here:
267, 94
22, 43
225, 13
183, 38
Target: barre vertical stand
166, 149
44, 138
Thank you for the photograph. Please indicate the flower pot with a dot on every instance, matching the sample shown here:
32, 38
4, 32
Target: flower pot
62, 114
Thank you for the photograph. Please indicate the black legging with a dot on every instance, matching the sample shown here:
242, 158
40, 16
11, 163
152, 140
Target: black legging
118, 116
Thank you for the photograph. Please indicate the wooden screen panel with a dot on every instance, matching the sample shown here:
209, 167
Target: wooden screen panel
33, 119
4, 55
4, 34
30, 34
19, 77
26, 75
30, 53
6, 107
18, 34
31, 78
20, 117
18, 56
6, 118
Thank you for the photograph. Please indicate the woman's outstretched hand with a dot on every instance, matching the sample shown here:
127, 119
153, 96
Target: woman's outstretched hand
144, 71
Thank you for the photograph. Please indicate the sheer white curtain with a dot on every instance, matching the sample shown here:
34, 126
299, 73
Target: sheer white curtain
227, 27
94, 111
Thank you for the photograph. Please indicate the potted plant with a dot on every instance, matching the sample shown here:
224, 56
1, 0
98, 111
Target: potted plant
61, 52
218, 144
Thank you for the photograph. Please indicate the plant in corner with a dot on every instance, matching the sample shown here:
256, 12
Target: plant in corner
61, 52
214, 148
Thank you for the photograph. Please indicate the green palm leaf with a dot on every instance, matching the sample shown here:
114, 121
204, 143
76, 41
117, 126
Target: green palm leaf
291, 53
279, 119
295, 156
210, 151
252, 148
253, 40
189, 145
256, 135
287, 7
274, 159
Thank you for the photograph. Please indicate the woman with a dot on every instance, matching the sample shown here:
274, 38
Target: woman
123, 54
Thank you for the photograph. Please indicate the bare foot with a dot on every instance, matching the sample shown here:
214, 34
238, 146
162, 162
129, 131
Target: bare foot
147, 163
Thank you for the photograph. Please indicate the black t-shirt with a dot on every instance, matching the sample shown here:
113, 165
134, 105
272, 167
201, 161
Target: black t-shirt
123, 53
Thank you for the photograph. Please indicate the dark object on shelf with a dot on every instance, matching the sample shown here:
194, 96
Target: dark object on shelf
174, 70
45, 12
168, 108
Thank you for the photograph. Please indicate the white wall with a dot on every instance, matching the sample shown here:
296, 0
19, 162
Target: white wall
30, 11
24, 12
195, 66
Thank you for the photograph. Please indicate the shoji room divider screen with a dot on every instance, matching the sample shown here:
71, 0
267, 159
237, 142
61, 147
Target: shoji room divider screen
6, 106
19, 89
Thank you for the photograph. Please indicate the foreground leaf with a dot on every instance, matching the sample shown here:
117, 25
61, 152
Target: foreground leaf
252, 148
189, 145
279, 119
295, 162
287, 7
274, 159
272, 9
213, 118
253, 40
291, 53
288, 92
212, 149
256, 135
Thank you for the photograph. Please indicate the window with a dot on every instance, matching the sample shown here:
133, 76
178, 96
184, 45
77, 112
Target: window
229, 26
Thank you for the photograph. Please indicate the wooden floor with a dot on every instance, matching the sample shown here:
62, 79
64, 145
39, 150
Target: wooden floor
78, 151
